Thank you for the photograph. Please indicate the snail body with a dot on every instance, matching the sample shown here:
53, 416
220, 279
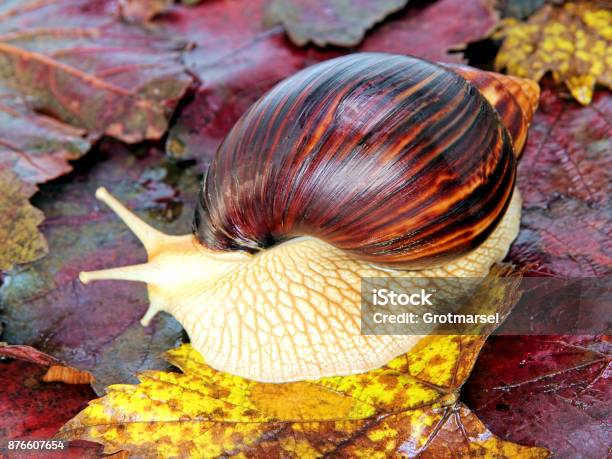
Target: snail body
369, 165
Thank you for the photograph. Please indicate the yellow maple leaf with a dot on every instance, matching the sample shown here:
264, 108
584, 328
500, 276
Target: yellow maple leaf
409, 408
573, 41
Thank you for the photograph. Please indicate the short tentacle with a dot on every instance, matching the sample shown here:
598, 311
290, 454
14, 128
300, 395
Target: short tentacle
156, 305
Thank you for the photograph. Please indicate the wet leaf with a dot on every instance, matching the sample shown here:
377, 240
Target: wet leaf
96, 328
566, 183
36, 148
237, 65
573, 41
20, 239
551, 390
407, 407
76, 61
31, 409
333, 22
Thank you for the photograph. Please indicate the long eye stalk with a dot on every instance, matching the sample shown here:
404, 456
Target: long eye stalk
149, 236
151, 239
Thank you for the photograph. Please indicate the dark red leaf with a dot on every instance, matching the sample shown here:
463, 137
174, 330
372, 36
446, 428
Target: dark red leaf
91, 327
555, 390
56, 370
237, 64
565, 177
72, 71
436, 31
37, 148
31, 409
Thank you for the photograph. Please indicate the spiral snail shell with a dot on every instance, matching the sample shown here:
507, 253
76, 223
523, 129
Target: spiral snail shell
369, 165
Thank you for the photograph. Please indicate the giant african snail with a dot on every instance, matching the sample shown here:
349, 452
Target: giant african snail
369, 165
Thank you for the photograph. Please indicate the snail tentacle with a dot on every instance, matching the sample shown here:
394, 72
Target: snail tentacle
138, 273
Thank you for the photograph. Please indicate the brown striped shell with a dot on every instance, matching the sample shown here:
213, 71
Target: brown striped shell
393, 159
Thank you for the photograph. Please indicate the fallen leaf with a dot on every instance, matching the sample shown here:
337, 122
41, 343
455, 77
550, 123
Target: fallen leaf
573, 41
20, 239
436, 31
96, 328
31, 409
237, 65
143, 10
549, 390
407, 407
329, 22
26, 353
36, 147
566, 182
520, 9
555, 390
76, 61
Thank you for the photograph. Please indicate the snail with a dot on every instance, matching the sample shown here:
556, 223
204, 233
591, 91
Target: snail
367, 165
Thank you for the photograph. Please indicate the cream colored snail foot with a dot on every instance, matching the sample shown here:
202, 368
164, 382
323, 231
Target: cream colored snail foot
370, 165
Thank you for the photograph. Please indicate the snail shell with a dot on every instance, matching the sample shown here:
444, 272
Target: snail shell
369, 165
395, 160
